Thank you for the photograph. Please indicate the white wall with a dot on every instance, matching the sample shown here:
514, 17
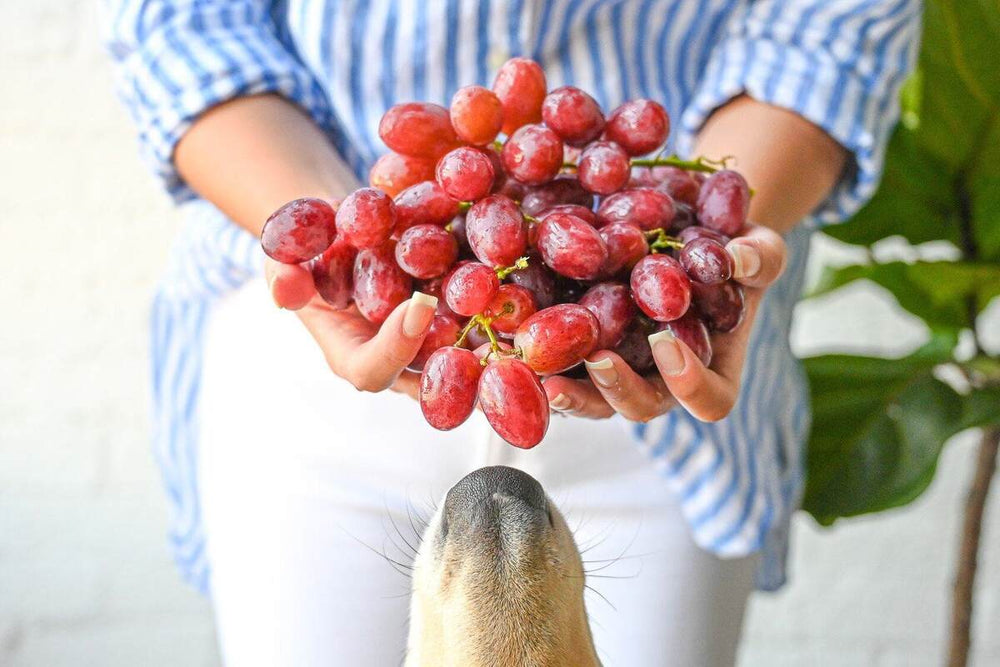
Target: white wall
84, 573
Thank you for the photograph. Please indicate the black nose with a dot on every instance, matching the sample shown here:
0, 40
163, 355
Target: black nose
494, 495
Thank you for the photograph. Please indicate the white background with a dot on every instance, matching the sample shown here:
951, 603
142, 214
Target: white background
84, 572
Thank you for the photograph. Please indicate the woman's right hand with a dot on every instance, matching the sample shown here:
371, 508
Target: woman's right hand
370, 357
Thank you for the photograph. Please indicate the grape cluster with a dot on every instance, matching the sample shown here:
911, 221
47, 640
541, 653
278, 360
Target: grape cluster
543, 248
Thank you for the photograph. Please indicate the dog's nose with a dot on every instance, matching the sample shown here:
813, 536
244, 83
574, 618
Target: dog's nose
496, 494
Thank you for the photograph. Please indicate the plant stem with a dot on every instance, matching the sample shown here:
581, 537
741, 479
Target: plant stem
964, 589
698, 164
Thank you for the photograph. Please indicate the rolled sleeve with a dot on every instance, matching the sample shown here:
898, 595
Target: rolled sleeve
838, 63
175, 60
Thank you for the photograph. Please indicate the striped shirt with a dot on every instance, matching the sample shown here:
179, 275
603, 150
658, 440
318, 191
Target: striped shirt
838, 63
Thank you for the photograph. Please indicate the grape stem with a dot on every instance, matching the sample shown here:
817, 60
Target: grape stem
702, 164
659, 240
504, 271
464, 206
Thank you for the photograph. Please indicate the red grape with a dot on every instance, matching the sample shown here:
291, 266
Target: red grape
483, 350
575, 210
571, 247
476, 338
434, 287
604, 168
724, 202
514, 402
644, 207
457, 227
513, 189
333, 274
626, 246
693, 232
465, 174
634, 348
720, 305
677, 183
661, 288
638, 126
562, 190
379, 284
520, 85
533, 154
448, 386
470, 288
693, 332
392, 173
683, 218
612, 305
366, 218
557, 338
443, 331
418, 129
476, 115
299, 230
538, 279
706, 261
499, 175
512, 305
495, 229
426, 251
573, 115
424, 204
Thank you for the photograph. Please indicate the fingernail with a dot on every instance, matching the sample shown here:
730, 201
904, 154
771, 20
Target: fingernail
667, 352
419, 314
603, 372
270, 288
560, 403
746, 260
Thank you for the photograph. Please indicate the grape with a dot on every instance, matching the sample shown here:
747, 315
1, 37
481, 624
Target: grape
513, 189
520, 86
683, 218
634, 348
644, 207
392, 173
693, 332
333, 274
514, 402
499, 175
366, 218
496, 232
483, 351
448, 386
557, 338
418, 129
299, 230
476, 338
626, 246
661, 288
569, 291
571, 247
638, 126
562, 190
724, 202
677, 183
573, 115
465, 174
720, 305
538, 280
511, 306
426, 251
476, 115
457, 227
689, 234
575, 210
433, 287
706, 261
470, 288
379, 284
424, 204
603, 168
533, 154
612, 305
443, 331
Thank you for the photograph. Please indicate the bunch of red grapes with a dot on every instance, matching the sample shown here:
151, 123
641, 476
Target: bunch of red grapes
541, 249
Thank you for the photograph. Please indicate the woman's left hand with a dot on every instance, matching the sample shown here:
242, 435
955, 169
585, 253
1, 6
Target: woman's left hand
708, 393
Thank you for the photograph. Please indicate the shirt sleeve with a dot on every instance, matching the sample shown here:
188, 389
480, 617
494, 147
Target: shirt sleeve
838, 63
177, 58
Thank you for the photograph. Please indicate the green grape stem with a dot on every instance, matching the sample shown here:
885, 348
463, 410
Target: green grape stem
702, 164
659, 240
504, 271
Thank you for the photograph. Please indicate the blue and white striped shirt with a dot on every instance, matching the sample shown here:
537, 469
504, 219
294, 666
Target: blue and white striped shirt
838, 63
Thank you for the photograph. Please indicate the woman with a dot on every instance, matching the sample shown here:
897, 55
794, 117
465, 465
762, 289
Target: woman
281, 473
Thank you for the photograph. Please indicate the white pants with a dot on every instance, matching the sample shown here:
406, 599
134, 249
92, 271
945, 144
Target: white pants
304, 479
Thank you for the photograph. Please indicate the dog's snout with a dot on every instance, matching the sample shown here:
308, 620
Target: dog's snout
493, 495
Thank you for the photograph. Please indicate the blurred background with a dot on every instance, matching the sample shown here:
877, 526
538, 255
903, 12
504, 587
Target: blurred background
85, 578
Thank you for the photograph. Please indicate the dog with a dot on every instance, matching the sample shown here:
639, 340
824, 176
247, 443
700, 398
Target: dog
498, 580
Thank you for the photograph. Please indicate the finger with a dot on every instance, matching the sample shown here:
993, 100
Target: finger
291, 285
631, 395
377, 363
408, 383
759, 256
577, 397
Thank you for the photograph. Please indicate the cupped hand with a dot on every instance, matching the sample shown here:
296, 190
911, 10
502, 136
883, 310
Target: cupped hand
708, 393
371, 357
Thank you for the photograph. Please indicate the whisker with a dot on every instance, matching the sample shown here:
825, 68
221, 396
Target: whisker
601, 595
413, 549
392, 562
